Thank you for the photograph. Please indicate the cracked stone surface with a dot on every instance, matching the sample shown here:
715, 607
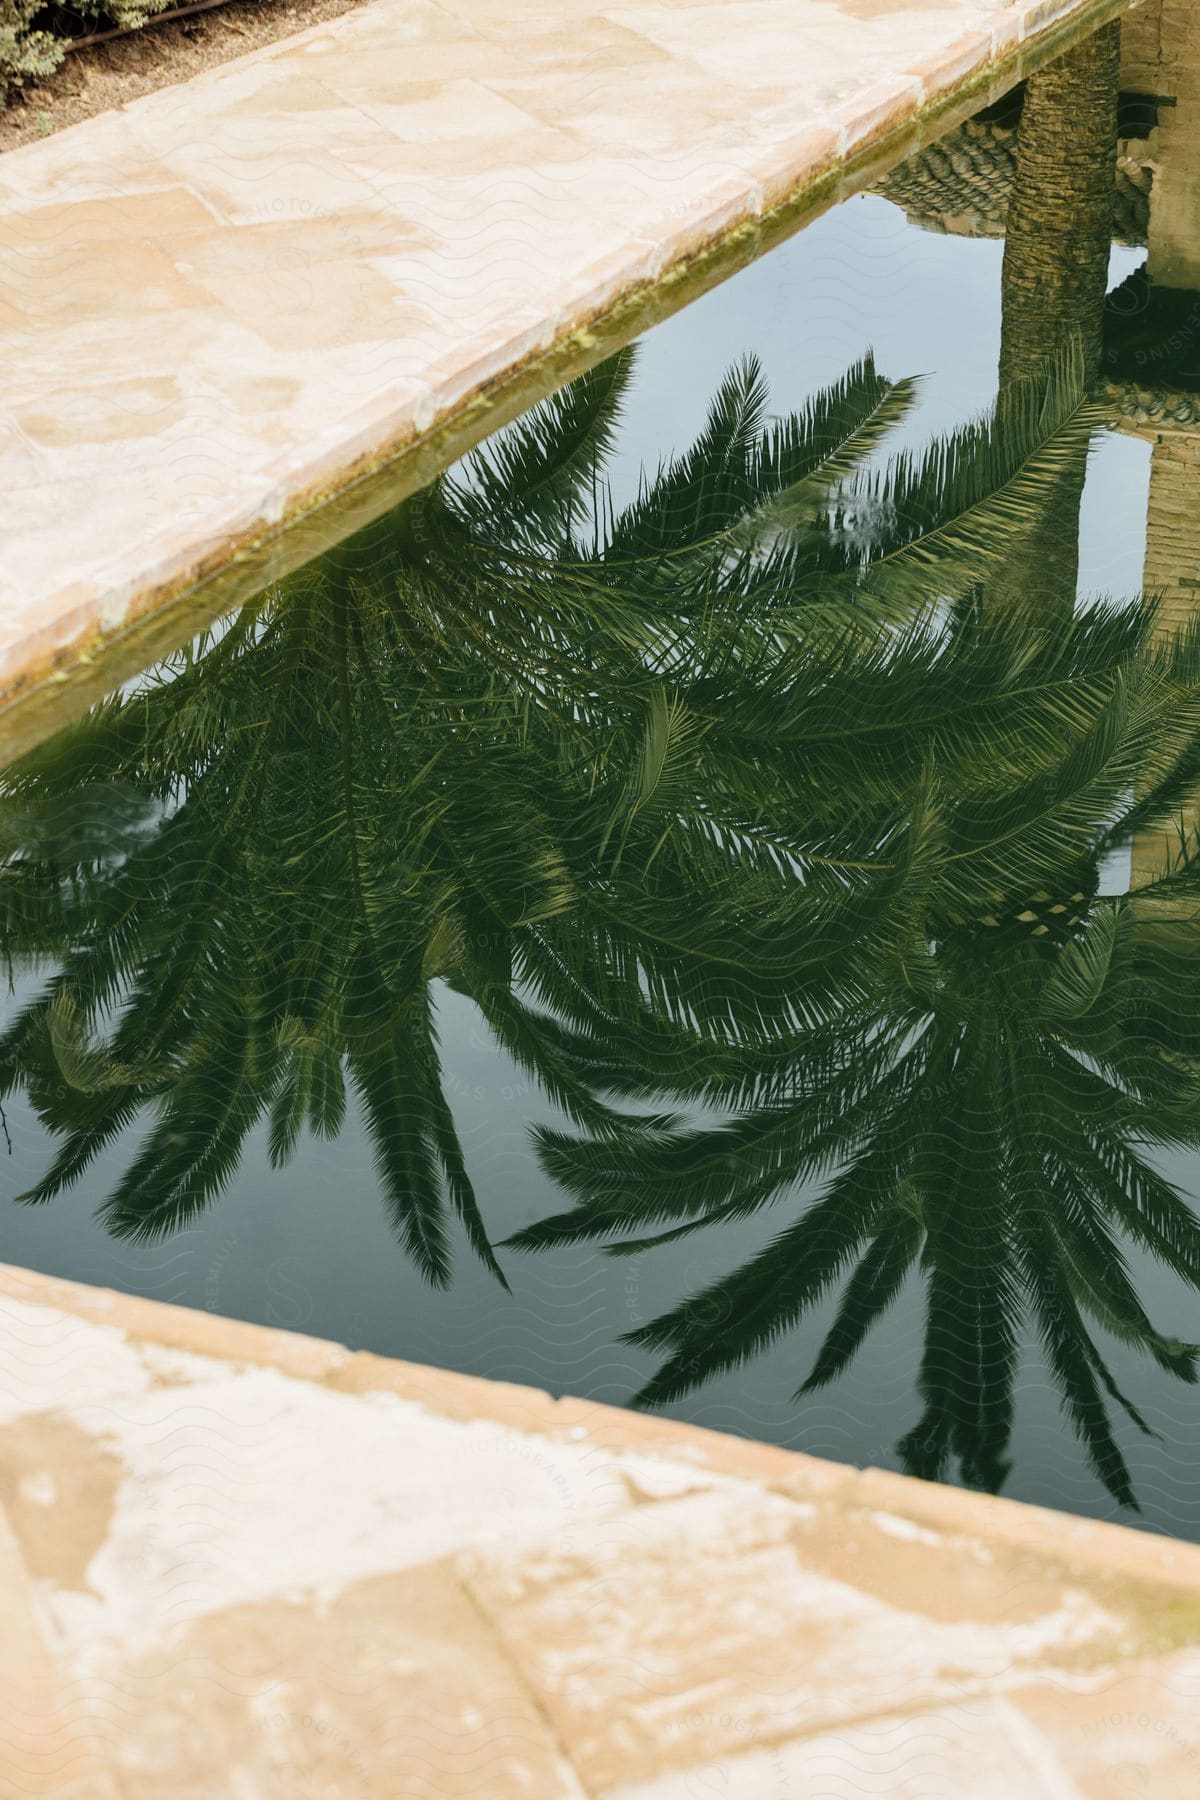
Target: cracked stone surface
229, 298
326, 1574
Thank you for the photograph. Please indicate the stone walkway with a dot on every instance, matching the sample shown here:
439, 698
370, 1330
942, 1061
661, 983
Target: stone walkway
228, 299
242, 1563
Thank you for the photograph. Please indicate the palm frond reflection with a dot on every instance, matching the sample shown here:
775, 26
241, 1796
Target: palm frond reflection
764, 791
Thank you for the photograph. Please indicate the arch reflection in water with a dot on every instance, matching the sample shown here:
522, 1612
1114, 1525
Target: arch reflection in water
765, 791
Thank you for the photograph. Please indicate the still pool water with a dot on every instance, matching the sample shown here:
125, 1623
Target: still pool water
744, 818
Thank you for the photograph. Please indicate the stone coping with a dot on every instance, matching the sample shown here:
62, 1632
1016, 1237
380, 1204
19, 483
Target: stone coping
230, 300
238, 1560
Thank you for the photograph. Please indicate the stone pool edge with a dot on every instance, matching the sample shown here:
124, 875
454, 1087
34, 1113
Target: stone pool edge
1141, 1555
732, 224
607, 1504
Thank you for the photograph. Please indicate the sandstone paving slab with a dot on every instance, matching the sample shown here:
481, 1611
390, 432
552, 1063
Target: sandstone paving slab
1133, 1730
708, 1622
393, 1686
325, 1573
976, 1751
233, 298
1085, 1543
46, 1741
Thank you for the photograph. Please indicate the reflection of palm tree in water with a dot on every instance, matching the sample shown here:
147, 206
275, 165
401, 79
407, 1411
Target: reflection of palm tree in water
990, 1106
572, 762
983, 1112
478, 745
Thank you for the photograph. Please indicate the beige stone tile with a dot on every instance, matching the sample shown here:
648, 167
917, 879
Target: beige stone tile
444, 1391
1006, 29
83, 283
176, 1327
512, 166
792, 162
528, 1596
1129, 1731
458, 111
171, 339
216, 1486
883, 108
59, 1488
102, 158
631, 86
90, 259
682, 1631
297, 301
19, 453
76, 227
596, 44
689, 226
46, 1742
408, 24
219, 474
501, 347
951, 1578
621, 1428
726, 40
1086, 1544
1040, 15
431, 182
242, 173
602, 1432
478, 14
981, 1751
392, 1687
101, 415
350, 65
251, 189
940, 69
37, 639
281, 88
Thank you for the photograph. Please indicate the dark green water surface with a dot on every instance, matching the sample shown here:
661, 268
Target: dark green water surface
702, 903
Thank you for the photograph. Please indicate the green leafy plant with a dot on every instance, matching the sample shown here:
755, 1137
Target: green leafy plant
28, 52
25, 53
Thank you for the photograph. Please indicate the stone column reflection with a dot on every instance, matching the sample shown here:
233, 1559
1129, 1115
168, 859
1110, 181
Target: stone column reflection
1156, 346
